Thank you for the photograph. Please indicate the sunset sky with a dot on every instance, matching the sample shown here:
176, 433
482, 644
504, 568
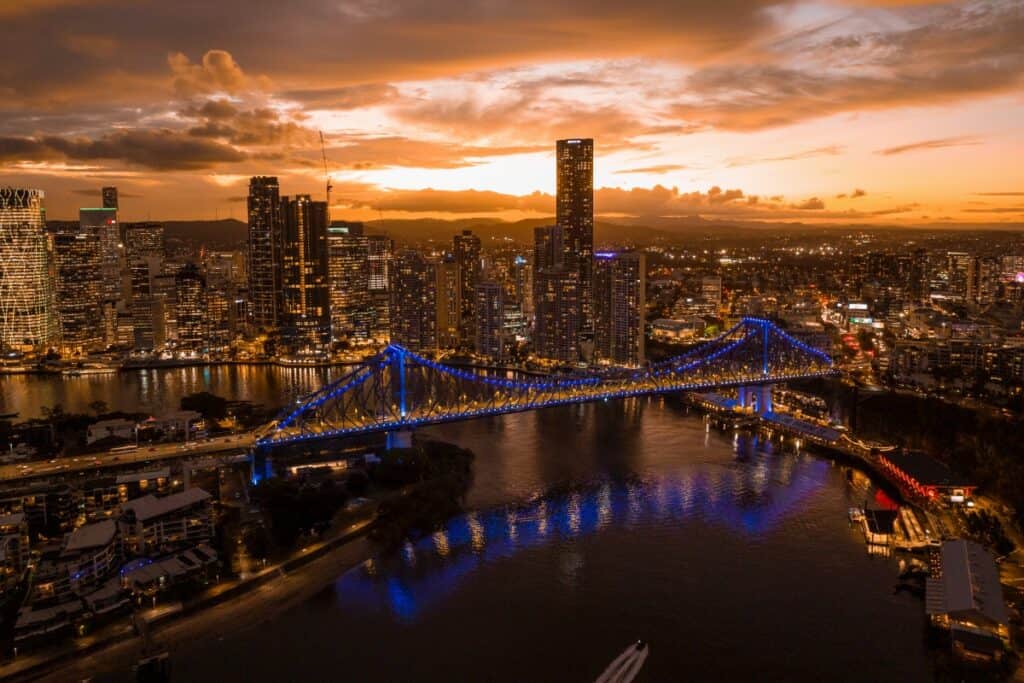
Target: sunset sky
865, 110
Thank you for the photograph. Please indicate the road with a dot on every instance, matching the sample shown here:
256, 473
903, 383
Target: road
238, 614
144, 453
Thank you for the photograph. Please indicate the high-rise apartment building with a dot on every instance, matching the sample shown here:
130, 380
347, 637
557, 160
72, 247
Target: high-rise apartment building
222, 299
306, 320
144, 254
190, 289
380, 251
557, 309
958, 266
574, 213
489, 315
449, 302
265, 252
983, 280
79, 289
103, 222
619, 291
466, 248
548, 247
413, 301
918, 276
711, 289
348, 269
28, 315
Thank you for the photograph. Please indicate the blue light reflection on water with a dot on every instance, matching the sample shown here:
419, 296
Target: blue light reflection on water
750, 499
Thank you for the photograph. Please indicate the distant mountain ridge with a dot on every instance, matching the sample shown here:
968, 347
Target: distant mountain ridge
230, 233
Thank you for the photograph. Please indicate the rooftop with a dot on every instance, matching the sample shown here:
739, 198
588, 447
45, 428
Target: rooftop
925, 469
969, 584
12, 520
150, 506
89, 536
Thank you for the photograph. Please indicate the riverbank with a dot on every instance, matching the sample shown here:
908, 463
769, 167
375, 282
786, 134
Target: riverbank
263, 594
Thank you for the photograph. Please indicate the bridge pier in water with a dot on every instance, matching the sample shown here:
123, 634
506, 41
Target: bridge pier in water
399, 438
757, 398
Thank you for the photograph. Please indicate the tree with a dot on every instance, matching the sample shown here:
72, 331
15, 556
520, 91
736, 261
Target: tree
211, 407
98, 407
257, 542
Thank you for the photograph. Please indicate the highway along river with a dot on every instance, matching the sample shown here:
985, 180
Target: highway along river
591, 527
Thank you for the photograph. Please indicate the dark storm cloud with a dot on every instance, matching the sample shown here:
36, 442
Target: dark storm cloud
345, 42
155, 149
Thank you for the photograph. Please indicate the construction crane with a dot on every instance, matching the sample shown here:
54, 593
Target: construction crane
327, 176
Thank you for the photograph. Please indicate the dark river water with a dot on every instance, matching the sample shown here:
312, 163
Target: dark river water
588, 527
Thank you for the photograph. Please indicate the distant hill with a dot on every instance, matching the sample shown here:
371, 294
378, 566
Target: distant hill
227, 232
230, 233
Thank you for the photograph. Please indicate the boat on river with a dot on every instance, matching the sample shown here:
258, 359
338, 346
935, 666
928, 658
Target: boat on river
627, 665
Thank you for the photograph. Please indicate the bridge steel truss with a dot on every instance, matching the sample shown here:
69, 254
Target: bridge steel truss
398, 389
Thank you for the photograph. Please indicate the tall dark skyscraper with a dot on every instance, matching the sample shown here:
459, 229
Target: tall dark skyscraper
467, 255
556, 296
144, 253
490, 320
548, 247
348, 270
619, 291
103, 222
110, 197
190, 291
414, 301
557, 308
380, 252
265, 252
77, 259
574, 213
306, 320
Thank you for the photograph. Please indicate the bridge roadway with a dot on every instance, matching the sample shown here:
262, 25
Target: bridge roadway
157, 453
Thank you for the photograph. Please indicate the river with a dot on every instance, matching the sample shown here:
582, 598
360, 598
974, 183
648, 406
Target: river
588, 527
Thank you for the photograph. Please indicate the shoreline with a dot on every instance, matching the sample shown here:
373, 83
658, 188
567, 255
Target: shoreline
120, 643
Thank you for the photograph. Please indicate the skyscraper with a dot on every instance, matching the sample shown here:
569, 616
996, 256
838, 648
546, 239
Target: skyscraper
958, 265
413, 301
449, 302
103, 222
190, 288
264, 252
306, 319
144, 253
110, 198
79, 289
379, 249
548, 247
348, 275
557, 309
619, 291
982, 280
28, 317
711, 289
467, 255
221, 298
574, 213
490, 318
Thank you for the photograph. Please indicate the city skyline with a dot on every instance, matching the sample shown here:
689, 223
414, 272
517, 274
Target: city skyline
866, 112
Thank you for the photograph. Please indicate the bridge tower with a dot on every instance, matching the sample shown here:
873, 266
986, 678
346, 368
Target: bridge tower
402, 436
758, 398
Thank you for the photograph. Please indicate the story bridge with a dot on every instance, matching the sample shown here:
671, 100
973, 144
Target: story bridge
398, 390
